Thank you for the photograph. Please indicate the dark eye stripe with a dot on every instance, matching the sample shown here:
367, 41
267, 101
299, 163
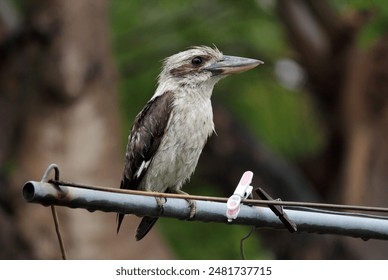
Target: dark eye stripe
190, 66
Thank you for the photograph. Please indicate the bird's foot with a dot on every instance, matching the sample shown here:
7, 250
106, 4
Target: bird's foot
192, 203
160, 201
193, 208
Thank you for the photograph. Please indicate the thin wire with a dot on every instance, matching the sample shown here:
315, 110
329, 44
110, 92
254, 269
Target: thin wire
223, 199
364, 215
242, 247
53, 210
242, 250
58, 231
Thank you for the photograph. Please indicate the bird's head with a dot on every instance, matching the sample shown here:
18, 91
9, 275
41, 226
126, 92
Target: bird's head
201, 67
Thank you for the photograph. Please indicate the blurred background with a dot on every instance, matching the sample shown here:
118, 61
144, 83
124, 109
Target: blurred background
311, 123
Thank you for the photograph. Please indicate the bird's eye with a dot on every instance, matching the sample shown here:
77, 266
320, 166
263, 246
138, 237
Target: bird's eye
196, 61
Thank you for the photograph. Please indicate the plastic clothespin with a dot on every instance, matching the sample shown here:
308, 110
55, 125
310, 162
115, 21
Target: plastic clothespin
243, 190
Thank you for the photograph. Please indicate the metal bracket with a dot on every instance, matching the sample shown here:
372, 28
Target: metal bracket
278, 210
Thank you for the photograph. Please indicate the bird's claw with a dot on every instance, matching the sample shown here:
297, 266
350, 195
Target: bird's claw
193, 208
160, 201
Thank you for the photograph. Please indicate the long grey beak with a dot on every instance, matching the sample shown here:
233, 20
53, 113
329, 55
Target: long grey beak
232, 65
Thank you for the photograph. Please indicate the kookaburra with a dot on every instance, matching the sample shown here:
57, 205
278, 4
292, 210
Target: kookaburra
168, 135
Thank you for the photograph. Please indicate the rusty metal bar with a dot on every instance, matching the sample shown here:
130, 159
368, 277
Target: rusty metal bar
312, 221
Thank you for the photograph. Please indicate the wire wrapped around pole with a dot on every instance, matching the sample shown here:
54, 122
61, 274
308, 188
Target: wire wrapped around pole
207, 211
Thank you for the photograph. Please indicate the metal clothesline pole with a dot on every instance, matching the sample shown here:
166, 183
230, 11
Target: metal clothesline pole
323, 222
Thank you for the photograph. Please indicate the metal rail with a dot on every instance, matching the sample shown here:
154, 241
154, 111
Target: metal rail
307, 220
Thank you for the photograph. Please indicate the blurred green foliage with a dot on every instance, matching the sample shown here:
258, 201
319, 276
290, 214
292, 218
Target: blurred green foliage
377, 13
145, 32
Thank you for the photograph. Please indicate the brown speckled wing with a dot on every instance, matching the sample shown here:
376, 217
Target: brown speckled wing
146, 135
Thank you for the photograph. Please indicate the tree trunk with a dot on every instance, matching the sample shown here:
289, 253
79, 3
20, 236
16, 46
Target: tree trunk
71, 117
